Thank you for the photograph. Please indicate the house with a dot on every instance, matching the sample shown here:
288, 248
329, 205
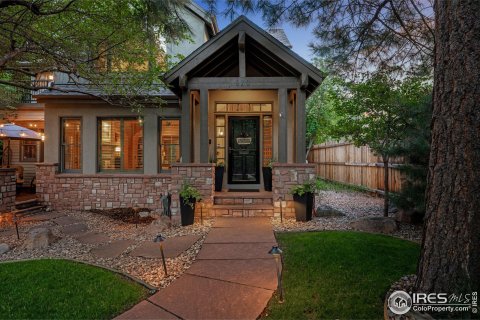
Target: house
238, 99
29, 111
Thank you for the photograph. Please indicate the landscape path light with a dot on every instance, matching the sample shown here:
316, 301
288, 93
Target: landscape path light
160, 239
276, 252
15, 220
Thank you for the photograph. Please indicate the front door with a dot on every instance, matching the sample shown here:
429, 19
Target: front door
243, 151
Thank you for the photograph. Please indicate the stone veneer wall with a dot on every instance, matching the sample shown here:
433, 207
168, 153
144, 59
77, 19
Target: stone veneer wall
284, 177
78, 191
8, 183
99, 191
199, 175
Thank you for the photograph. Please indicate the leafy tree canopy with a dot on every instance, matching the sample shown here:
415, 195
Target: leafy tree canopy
320, 108
106, 43
379, 111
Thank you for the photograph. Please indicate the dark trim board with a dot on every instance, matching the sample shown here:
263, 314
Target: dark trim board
243, 83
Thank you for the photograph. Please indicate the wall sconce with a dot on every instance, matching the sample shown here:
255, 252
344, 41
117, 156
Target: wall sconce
280, 114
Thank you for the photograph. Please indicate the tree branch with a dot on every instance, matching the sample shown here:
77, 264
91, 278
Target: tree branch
34, 7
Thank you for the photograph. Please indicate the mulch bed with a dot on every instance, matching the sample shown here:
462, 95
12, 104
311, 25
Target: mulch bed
127, 215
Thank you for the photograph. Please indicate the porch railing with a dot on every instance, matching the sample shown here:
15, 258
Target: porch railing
21, 95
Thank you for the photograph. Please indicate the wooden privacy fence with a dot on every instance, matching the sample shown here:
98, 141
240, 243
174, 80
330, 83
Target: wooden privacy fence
343, 162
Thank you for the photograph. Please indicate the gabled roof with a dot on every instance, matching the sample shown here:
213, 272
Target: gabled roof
266, 56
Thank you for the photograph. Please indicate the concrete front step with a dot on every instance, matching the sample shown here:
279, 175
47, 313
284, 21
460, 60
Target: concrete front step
240, 210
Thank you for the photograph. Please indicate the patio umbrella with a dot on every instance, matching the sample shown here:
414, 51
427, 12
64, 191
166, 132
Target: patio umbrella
10, 131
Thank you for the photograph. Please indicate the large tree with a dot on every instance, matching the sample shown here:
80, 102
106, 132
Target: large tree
450, 258
114, 45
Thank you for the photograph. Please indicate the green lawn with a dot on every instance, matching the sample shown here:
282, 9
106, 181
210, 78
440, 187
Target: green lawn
340, 275
325, 185
60, 289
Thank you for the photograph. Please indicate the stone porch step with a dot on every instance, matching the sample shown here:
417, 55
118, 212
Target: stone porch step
243, 198
241, 210
27, 208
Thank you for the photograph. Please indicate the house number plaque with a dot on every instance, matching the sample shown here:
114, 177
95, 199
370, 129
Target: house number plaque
244, 141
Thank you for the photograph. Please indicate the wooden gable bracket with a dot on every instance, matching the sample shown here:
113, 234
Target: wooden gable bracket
242, 65
303, 81
183, 82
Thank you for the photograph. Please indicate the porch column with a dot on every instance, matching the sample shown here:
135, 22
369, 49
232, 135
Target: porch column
282, 125
150, 141
185, 146
300, 125
203, 125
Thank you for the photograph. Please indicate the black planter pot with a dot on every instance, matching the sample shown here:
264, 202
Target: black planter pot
219, 178
187, 213
267, 178
303, 206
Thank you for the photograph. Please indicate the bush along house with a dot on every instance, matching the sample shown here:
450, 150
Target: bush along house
237, 100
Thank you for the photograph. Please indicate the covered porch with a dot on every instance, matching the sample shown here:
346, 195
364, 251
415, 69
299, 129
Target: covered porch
243, 104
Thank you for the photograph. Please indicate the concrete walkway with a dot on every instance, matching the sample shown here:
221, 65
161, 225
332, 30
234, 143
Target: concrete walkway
232, 278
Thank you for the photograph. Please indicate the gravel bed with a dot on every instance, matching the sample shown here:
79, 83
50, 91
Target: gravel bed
354, 205
149, 270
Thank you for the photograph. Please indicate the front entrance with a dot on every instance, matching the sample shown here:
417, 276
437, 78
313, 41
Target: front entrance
243, 151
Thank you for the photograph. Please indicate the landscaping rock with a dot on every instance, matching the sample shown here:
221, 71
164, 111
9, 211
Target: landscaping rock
74, 229
143, 214
92, 238
375, 224
39, 238
159, 225
4, 248
327, 211
112, 249
408, 216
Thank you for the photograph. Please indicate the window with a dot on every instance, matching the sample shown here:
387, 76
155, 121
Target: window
28, 151
169, 143
220, 139
267, 140
120, 144
243, 107
71, 144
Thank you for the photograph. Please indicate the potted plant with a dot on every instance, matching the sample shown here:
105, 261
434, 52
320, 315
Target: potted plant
303, 198
219, 171
267, 175
189, 195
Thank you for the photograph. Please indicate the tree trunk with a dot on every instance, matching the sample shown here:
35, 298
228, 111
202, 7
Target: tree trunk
450, 257
386, 186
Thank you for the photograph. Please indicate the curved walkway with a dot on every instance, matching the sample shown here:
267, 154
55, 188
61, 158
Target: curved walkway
232, 278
